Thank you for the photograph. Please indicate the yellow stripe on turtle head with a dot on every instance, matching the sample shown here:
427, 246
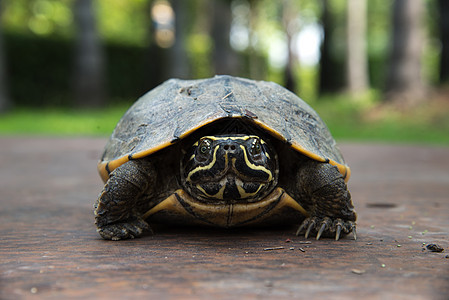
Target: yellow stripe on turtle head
253, 166
206, 167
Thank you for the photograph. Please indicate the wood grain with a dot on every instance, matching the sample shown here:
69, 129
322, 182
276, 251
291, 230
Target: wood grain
49, 247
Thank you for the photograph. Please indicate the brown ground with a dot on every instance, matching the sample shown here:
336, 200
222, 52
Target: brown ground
49, 247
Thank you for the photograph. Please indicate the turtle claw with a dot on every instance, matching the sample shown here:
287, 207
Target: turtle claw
337, 235
323, 227
311, 225
326, 227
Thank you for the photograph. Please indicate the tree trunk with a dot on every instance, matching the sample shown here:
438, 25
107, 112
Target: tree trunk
88, 80
443, 6
356, 56
288, 16
404, 84
5, 102
331, 72
224, 58
178, 62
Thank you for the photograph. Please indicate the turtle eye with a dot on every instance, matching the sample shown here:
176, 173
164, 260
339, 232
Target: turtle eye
205, 146
256, 148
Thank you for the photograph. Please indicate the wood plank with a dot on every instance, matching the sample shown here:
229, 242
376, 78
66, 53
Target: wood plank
49, 247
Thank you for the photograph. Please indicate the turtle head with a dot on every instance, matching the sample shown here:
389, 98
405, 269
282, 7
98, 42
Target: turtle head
230, 168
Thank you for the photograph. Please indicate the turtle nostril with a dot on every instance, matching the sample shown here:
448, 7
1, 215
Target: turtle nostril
229, 147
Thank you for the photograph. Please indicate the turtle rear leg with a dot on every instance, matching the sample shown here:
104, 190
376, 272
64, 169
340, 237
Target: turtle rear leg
328, 201
116, 209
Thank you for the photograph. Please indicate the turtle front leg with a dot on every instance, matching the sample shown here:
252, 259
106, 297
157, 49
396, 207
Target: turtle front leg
116, 210
328, 201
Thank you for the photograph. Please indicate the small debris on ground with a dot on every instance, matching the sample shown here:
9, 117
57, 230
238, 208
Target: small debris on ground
301, 249
273, 248
288, 240
434, 248
305, 242
358, 271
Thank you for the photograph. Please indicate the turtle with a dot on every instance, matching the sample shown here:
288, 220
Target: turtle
225, 152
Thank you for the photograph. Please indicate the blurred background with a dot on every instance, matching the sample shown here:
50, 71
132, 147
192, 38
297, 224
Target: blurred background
374, 70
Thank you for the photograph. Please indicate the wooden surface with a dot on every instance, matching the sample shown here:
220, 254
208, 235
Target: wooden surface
49, 247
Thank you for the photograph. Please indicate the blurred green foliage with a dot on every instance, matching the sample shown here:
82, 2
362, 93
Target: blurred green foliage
39, 39
364, 120
41, 17
61, 121
199, 47
40, 70
39, 48
122, 22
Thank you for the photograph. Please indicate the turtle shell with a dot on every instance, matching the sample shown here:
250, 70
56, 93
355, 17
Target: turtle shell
177, 108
